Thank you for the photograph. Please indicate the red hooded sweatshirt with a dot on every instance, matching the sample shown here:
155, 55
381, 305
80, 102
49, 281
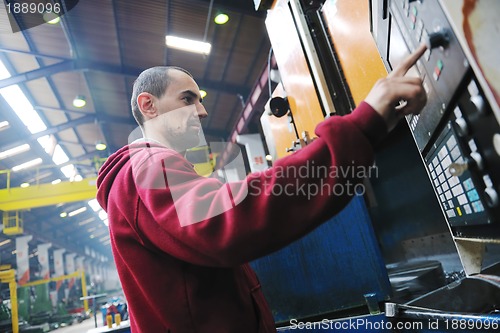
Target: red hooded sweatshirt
181, 242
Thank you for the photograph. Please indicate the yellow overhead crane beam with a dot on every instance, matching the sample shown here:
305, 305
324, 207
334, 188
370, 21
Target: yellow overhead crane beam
39, 195
17, 198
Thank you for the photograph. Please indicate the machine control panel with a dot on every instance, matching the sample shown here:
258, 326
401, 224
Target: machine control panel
443, 67
455, 132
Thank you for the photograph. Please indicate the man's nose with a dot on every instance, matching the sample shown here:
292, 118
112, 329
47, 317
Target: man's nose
201, 112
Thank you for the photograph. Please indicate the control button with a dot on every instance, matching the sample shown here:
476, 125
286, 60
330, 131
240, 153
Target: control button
478, 101
487, 181
478, 207
478, 159
436, 74
491, 197
445, 186
462, 199
457, 190
462, 127
468, 184
443, 152
437, 39
448, 195
467, 209
425, 37
420, 29
473, 89
457, 112
455, 153
472, 145
413, 19
440, 64
438, 69
441, 178
451, 143
439, 169
435, 161
496, 143
472, 195
454, 181
446, 162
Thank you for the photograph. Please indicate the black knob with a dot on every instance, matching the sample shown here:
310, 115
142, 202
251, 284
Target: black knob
279, 106
437, 39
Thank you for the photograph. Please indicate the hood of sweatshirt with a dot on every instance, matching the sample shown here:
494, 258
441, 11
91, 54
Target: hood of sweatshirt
121, 160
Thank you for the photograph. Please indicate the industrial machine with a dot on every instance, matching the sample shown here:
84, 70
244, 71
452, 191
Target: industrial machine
434, 205
457, 136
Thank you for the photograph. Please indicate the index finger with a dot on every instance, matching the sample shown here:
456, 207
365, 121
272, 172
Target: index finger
404, 66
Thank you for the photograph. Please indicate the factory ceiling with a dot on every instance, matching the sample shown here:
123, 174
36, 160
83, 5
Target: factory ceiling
96, 50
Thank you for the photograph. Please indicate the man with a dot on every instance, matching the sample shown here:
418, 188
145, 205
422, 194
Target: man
181, 242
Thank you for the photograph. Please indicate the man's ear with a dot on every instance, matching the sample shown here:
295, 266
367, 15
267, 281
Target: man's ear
145, 101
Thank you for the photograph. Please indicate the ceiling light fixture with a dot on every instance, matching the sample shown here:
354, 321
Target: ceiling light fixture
100, 145
77, 211
87, 221
79, 101
63, 214
51, 18
221, 18
189, 45
24, 185
28, 164
203, 93
4, 125
14, 151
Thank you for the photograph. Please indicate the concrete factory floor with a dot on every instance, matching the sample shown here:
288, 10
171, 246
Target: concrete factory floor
82, 327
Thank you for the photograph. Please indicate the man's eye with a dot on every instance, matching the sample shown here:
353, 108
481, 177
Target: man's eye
187, 99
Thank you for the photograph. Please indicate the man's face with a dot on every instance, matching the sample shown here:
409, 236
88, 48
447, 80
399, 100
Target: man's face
179, 112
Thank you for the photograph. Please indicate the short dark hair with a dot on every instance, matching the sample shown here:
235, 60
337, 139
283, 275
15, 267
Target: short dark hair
155, 81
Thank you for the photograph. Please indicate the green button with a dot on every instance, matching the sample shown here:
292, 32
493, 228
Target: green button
414, 10
440, 65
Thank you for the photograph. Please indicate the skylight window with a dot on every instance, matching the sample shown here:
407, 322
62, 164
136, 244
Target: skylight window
103, 215
59, 156
94, 205
4, 73
23, 108
69, 171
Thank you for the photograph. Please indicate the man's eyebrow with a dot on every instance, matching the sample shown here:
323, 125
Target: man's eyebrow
192, 94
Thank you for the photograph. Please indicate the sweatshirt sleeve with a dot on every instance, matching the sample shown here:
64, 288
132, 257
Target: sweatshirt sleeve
206, 222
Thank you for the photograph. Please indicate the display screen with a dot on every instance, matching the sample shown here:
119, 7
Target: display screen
398, 50
397, 46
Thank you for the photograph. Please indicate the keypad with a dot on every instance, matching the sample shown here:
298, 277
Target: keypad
457, 194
